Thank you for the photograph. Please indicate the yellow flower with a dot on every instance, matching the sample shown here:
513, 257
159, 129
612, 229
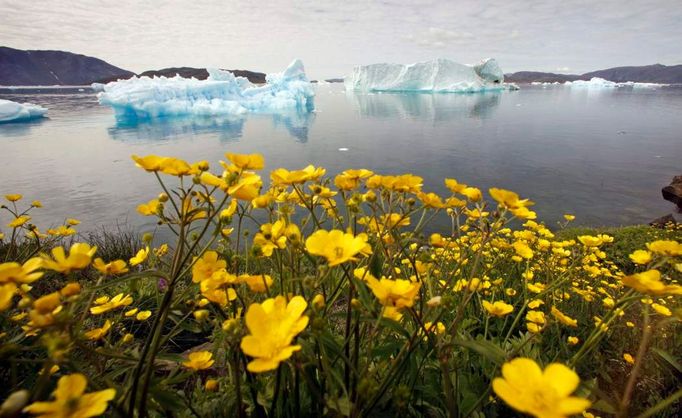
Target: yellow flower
522, 249
150, 208
247, 188
72, 401
535, 317
282, 176
590, 241
667, 248
649, 282
213, 180
201, 314
199, 360
211, 385
350, 179
569, 217
99, 333
661, 309
21, 273
533, 304
36, 204
336, 246
62, 230
47, 303
13, 197
454, 186
140, 257
628, 358
217, 288
498, 308
19, 221
7, 292
394, 293
130, 312
127, 338
563, 318
149, 163
318, 301
258, 283
206, 266
573, 340
640, 257
508, 199
113, 268
143, 316
247, 161
472, 193
272, 326
80, 256
540, 393
115, 303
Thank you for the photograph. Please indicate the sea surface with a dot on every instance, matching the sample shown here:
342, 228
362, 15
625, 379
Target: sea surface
602, 155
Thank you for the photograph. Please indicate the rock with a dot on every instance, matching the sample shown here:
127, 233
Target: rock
673, 192
662, 221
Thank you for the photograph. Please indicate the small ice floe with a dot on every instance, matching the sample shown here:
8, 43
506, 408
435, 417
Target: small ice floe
343, 149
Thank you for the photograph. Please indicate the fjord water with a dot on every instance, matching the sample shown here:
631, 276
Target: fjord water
602, 155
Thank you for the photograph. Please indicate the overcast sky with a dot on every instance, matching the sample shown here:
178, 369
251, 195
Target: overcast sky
331, 36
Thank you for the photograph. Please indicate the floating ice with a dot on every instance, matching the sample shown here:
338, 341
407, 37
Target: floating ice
593, 83
439, 75
13, 112
600, 83
221, 94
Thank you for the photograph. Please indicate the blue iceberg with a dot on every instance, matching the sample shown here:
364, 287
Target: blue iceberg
438, 76
221, 94
18, 112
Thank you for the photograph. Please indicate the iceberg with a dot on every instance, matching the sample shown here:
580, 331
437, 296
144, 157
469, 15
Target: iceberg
600, 83
222, 93
439, 75
14, 112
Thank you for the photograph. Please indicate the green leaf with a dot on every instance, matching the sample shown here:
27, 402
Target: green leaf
485, 348
668, 359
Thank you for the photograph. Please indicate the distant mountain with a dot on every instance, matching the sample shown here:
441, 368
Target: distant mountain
531, 76
47, 68
188, 72
657, 73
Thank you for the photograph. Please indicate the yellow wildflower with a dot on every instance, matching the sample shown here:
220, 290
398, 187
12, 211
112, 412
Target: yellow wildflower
661, 309
258, 283
80, 256
206, 266
247, 161
649, 282
19, 221
667, 248
540, 393
150, 208
72, 401
21, 273
199, 360
99, 333
573, 340
282, 176
272, 326
498, 308
13, 197
140, 257
115, 303
522, 249
563, 318
628, 358
336, 246
394, 293
113, 268
640, 257
143, 316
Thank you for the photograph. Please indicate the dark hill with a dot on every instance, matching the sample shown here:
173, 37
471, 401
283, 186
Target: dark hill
657, 73
47, 68
188, 72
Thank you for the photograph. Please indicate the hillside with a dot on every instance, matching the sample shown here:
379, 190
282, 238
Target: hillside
657, 73
188, 72
47, 68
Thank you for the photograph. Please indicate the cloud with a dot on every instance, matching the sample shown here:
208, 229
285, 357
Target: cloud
331, 37
439, 37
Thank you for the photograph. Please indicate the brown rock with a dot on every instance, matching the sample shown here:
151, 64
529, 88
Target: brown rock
673, 192
662, 221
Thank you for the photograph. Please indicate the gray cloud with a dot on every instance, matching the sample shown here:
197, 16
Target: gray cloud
332, 36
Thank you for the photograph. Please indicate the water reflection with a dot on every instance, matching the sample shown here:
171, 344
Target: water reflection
436, 107
228, 128
19, 128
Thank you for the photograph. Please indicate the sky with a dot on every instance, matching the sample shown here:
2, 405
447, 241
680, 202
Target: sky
332, 36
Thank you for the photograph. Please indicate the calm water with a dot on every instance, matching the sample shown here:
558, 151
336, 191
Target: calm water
601, 155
